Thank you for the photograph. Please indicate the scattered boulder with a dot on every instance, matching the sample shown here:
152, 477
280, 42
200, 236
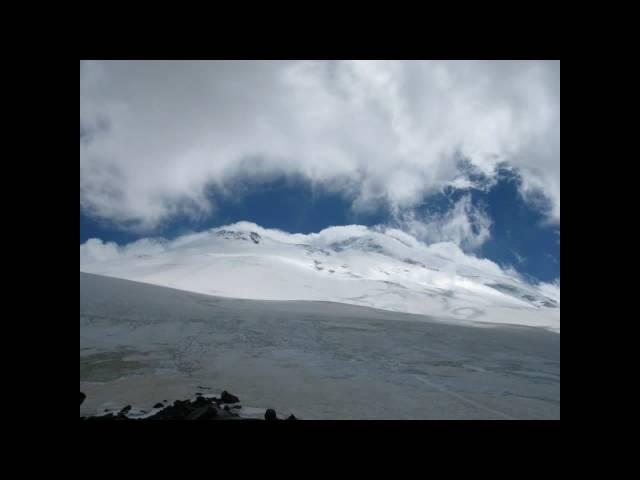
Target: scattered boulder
82, 397
227, 397
291, 417
125, 410
270, 414
158, 405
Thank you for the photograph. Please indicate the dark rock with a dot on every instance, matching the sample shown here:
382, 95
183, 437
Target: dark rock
82, 397
291, 417
178, 411
226, 397
198, 394
201, 408
206, 412
201, 402
270, 414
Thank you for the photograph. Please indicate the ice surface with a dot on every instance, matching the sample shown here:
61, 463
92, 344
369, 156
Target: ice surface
141, 344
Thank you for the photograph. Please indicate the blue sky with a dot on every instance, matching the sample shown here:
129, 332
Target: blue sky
168, 148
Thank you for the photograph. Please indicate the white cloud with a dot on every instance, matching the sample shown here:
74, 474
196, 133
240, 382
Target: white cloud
155, 134
465, 225
551, 290
95, 250
519, 257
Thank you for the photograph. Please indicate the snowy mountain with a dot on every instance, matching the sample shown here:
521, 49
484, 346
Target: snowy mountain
384, 269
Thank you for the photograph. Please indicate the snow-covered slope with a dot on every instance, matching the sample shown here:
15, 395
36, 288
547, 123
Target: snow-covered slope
141, 343
388, 270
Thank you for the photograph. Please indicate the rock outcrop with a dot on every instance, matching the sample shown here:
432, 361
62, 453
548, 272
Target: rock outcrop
200, 408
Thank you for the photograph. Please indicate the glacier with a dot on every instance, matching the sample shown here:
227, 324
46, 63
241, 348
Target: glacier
381, 268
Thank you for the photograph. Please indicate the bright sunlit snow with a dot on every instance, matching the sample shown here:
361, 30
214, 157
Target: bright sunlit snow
384, 269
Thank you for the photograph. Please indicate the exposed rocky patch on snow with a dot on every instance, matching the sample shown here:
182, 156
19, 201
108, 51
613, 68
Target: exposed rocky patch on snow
202, 408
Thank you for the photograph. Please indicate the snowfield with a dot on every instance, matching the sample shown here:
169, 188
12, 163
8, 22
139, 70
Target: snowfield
141, 343
356, 265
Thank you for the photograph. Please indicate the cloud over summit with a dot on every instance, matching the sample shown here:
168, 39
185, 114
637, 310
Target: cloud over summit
155, 135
